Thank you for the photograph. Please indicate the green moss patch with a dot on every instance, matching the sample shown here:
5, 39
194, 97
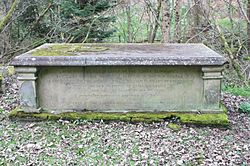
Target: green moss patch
187, 118
67, 50
174, 127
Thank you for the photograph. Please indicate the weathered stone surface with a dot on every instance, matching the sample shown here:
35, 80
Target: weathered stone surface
119, 89
120, 78
124, 54
212, 86
28, 92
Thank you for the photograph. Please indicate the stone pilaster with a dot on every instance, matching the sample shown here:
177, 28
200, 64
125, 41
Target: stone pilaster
212, 87
27, 82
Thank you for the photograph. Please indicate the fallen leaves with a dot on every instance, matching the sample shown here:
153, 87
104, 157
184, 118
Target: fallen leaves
119, 143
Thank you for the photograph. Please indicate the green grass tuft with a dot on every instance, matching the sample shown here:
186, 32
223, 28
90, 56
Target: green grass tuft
237, 91
245, 108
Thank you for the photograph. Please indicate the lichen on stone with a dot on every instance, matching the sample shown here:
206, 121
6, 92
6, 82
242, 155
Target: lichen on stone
220, 119
67, 49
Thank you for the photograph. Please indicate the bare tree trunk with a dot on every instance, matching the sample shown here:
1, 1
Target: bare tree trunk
156, 25
165, 21
177, 35
7, 18
129, 19
230, 13
248, 27
5, 26
196, 19
200, 23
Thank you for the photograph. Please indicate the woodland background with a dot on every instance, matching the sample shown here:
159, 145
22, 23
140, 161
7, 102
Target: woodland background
223, 25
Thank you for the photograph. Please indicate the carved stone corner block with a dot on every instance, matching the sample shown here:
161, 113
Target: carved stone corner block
27, 83
212, 87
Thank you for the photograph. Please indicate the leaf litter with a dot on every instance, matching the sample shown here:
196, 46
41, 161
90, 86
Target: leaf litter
120, 143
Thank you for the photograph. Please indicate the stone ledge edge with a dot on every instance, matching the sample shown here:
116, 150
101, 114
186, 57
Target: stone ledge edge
116, 61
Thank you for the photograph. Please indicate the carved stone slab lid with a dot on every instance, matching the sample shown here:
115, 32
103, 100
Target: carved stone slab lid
103, 54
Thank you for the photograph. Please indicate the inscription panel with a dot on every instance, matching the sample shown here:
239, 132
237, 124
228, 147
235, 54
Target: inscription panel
138, 88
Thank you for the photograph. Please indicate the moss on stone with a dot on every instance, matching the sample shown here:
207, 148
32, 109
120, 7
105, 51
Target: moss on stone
67, 50
174, 127
187, 118
205, 119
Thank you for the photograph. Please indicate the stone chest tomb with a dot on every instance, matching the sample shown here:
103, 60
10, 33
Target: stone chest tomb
59, 78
